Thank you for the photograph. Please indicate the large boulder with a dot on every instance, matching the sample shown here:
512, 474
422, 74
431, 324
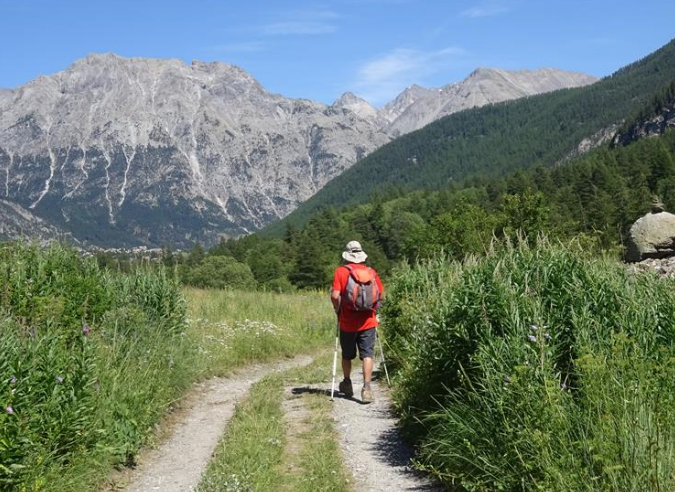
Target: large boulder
652, 236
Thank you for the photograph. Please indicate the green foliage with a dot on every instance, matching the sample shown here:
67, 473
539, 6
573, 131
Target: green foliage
89, 362
219, 272
233, 328
536, 369
248, 458
596, 198
498, 139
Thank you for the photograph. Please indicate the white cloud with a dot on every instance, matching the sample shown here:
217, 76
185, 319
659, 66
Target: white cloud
485, 10
311, 22
381, 79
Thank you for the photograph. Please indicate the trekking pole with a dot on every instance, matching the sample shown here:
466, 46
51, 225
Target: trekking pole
337, 338
384, 364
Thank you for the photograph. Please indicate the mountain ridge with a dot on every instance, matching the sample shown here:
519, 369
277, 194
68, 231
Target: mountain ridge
127, 151
499, 138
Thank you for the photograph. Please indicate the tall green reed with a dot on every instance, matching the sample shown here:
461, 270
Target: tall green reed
536, 369
89, 361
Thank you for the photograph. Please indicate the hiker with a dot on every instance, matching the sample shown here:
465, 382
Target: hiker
356, 317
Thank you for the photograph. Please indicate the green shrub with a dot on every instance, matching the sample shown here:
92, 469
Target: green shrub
536, 369
89, 362
220, 272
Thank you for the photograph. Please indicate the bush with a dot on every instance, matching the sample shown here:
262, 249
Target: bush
220, 272
536, 369
90, 360
279, 285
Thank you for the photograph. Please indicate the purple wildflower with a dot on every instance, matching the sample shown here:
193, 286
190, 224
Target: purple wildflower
86, 329
9, 410
58, 379
547, 336
531, 338
507, 379
12, 380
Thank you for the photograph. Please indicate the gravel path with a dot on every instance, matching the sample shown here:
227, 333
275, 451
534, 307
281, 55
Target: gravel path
178, 464
371, 445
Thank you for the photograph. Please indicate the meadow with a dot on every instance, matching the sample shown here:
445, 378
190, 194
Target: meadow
533, 367
92, 360
536, 368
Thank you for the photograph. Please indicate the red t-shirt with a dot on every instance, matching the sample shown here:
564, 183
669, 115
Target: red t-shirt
354, 320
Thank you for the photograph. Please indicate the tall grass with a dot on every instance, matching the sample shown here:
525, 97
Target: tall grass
536, 369
90, 360
88, 363
232, 328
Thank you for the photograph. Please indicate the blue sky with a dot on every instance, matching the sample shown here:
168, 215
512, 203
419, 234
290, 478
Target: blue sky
319, 49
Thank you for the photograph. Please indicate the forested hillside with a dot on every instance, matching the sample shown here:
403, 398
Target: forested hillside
498, 139
595, 198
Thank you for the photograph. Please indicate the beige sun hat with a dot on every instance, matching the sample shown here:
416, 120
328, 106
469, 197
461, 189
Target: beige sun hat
353, 252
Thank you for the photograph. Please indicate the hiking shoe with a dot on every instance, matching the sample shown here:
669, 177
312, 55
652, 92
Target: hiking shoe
367, 395
345, 387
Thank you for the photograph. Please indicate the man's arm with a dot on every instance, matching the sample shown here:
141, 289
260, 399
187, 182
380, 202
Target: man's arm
335, 299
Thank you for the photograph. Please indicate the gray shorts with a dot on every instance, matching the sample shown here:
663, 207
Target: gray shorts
365, 340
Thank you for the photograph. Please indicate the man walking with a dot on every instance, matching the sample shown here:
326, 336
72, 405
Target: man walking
355, 295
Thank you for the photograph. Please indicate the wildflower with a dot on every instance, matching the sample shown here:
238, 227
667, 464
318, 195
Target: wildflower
531, 338
85, 329
563, 385
507, 379
547, 336
58, 379
9, 410
12, 380
534, 328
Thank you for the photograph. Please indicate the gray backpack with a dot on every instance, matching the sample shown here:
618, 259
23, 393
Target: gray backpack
362, 292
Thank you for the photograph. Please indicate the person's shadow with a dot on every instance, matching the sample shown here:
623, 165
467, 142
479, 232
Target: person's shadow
326, 392
307, 390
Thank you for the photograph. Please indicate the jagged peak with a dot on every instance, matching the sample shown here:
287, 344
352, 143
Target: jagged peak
356, 104
212, 67
349, 98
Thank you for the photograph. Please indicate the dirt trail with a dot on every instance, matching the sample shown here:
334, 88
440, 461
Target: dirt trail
371, 444
178, 464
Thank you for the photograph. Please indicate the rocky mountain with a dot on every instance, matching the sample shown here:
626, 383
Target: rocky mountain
354, 103
499, 139
654, 120
17, 222
393, 109
418, 107
152, 151
123, 152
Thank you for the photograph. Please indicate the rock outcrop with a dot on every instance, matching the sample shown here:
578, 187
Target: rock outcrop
653, 126
652, 236
664, 267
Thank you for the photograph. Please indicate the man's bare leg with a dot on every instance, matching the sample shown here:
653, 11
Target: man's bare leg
367, 392
367, 370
